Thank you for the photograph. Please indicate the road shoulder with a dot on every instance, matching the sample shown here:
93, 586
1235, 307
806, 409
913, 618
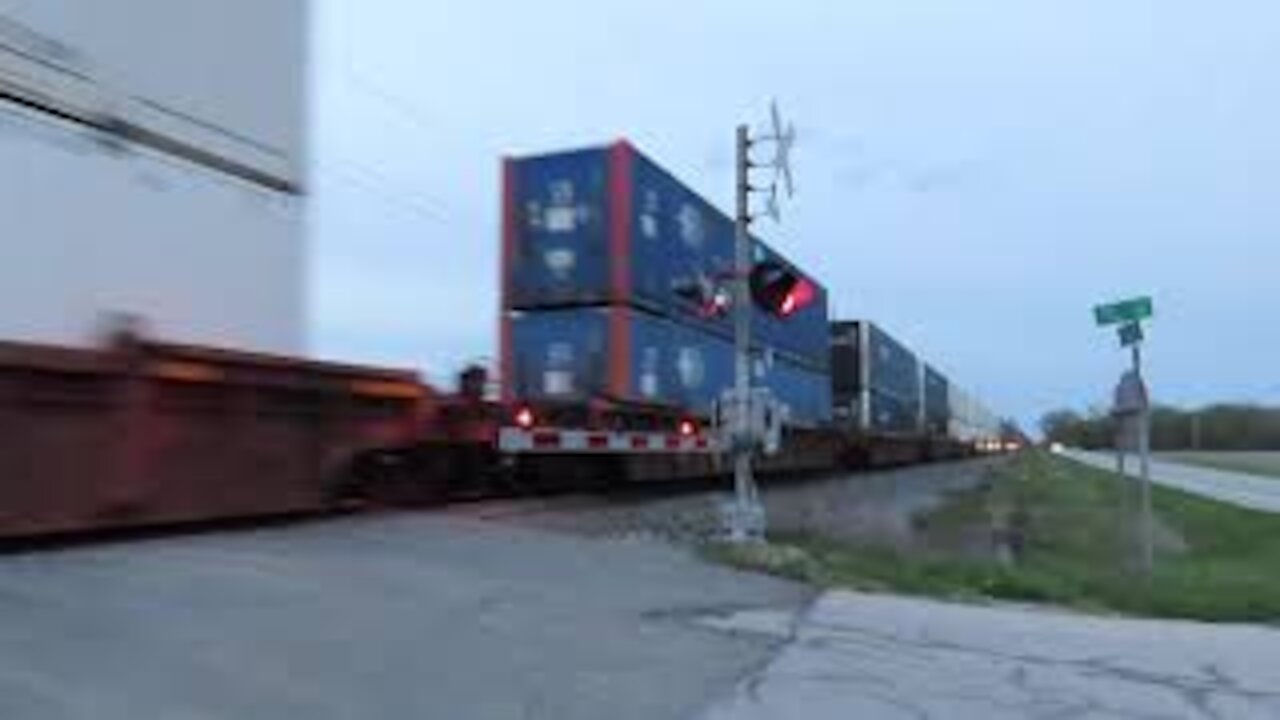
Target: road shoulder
884, 656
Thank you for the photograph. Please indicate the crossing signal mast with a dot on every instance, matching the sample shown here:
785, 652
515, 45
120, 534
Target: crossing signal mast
776, 289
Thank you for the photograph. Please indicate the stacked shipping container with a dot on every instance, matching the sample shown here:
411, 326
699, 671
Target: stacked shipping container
875, 379
607, 259
937, 406
880, 387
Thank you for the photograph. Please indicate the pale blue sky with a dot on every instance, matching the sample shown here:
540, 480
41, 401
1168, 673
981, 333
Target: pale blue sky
973, 175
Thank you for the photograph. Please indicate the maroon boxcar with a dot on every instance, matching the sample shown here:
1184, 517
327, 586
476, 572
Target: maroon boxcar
146, 433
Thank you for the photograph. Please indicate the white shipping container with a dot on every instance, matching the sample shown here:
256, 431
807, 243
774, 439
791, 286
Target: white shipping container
225, 77
970, 420
92, 227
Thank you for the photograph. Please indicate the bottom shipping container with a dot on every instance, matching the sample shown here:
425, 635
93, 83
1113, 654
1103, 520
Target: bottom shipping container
892, 415
937, 412
623, 355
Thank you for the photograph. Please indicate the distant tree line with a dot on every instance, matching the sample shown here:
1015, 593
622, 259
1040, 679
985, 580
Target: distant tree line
1216, 427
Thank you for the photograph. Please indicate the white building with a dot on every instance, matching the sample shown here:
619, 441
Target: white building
151, 163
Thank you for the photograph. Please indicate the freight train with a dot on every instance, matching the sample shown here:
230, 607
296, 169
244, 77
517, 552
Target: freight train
616, 345
615, 321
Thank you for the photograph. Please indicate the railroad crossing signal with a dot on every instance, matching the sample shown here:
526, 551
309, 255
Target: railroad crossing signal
1125, 311
779, 290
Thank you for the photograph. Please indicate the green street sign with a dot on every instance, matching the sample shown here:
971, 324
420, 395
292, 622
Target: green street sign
1130, 334
1123, 312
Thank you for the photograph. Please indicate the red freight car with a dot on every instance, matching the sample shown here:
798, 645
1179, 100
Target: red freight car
146, 433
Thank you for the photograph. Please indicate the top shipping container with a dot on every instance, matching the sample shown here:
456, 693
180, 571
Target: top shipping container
864, 356
608, 225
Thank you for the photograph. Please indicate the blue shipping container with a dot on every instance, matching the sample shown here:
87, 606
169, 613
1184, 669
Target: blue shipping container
575, 355
556, 230
894, 369
581, 354
863, 354
937, 411
805, 392
607, 225
890, 414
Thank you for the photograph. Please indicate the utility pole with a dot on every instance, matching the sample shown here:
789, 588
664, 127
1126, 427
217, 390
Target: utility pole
1144, 464
746, 500
746, 517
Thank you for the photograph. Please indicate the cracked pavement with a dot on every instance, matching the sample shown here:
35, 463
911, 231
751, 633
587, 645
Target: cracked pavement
882, 656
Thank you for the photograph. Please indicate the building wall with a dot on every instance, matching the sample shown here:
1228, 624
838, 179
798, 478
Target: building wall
152, 158
91, 229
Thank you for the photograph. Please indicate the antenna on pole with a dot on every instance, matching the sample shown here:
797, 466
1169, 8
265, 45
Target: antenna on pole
783, 138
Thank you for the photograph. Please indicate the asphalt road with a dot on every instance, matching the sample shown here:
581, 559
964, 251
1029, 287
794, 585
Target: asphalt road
410, 616
885, 657
1250, 491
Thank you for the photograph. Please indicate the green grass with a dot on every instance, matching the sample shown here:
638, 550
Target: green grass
1260, 462
1214, 561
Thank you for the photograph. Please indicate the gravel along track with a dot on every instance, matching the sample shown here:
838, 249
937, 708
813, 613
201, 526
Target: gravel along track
868, 506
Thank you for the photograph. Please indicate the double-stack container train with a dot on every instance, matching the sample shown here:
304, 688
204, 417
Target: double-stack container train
616, 317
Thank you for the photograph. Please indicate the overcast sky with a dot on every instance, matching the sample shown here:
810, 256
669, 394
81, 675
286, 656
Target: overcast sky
972, 175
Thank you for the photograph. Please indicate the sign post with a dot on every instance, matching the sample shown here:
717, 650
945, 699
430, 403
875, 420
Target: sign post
1133, 409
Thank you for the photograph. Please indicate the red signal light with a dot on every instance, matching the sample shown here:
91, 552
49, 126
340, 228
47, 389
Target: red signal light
524, 418
803, 293
779, 290
688, 428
